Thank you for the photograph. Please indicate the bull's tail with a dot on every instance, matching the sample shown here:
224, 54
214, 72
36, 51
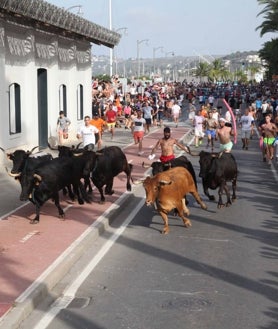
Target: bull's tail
130, 170
192, 172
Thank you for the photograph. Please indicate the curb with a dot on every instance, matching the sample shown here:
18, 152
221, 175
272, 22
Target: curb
26, 303
42, 287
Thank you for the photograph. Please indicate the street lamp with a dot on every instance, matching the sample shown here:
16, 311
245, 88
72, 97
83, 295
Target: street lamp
124, 30
80, 11
169, 52
138, 53
173, 54
154, 50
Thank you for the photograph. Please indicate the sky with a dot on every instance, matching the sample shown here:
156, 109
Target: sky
182, 27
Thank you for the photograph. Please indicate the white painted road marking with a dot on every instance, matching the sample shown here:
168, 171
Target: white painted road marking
69, 293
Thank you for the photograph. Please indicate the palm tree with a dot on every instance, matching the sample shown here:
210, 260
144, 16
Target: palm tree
270, 11
202, 70
269, 52
217, 70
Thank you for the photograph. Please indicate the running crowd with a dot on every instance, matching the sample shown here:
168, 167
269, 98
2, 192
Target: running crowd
145, 104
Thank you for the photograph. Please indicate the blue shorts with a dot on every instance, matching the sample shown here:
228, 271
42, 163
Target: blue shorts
211, 132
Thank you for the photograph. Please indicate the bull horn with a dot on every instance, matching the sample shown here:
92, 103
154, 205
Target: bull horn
2, 149
77, 154
194, 154
167, 164
38, 177
33, 149
145, 165
12, 175
165, 182
139, 181
77, 146
51, 147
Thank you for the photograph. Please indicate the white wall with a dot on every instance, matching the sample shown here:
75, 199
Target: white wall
67, 62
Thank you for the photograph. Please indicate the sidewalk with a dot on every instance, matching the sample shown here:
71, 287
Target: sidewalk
33, 258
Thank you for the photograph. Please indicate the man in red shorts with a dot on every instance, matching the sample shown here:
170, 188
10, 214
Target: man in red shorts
167, 146
138, 128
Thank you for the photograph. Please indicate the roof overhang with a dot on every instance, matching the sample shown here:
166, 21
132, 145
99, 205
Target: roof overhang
44, 16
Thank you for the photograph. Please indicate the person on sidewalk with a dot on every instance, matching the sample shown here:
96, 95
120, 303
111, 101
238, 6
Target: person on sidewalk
138, 128
167, 146
88, 134
62, 127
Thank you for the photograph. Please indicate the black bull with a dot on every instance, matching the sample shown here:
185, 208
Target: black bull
110, 162
180, 161
216, 169
45, 182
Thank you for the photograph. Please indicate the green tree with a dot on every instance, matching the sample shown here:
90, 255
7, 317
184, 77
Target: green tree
218, 72
269, 52
202, 70
270, 12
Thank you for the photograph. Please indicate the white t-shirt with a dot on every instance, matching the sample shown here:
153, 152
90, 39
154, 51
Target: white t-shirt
228, 116
176, 109
246, 121
139, 124
88, 134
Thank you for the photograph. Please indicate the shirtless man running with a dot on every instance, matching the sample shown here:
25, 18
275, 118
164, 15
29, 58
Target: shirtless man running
224, 134
167, 146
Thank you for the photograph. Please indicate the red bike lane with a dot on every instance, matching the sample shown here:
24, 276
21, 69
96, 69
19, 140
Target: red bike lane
28, 253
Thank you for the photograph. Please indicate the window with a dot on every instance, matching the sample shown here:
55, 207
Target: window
63, 99
14, 109
80, 104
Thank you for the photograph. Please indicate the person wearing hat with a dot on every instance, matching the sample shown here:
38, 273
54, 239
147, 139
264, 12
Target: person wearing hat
167, 146
224, 133
138, 125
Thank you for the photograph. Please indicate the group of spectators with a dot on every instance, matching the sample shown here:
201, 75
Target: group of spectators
251, 104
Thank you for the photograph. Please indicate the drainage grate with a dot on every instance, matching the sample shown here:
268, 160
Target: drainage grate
80, 302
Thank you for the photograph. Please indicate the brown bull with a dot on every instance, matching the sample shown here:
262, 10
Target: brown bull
168, 190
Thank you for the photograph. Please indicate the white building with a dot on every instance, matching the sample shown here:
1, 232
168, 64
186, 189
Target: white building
45, 67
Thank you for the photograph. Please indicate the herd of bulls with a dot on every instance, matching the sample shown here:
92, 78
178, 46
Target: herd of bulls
43, 177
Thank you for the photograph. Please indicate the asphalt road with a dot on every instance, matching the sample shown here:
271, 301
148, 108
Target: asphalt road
220, 273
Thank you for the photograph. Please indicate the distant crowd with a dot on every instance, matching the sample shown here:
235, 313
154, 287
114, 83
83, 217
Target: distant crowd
165, 100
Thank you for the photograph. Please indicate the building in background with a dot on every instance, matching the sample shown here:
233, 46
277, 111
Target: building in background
45, 67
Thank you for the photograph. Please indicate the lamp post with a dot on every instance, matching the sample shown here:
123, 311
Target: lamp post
110, 50
138, 53
80, 11
124, 30
170, 53
154, 50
